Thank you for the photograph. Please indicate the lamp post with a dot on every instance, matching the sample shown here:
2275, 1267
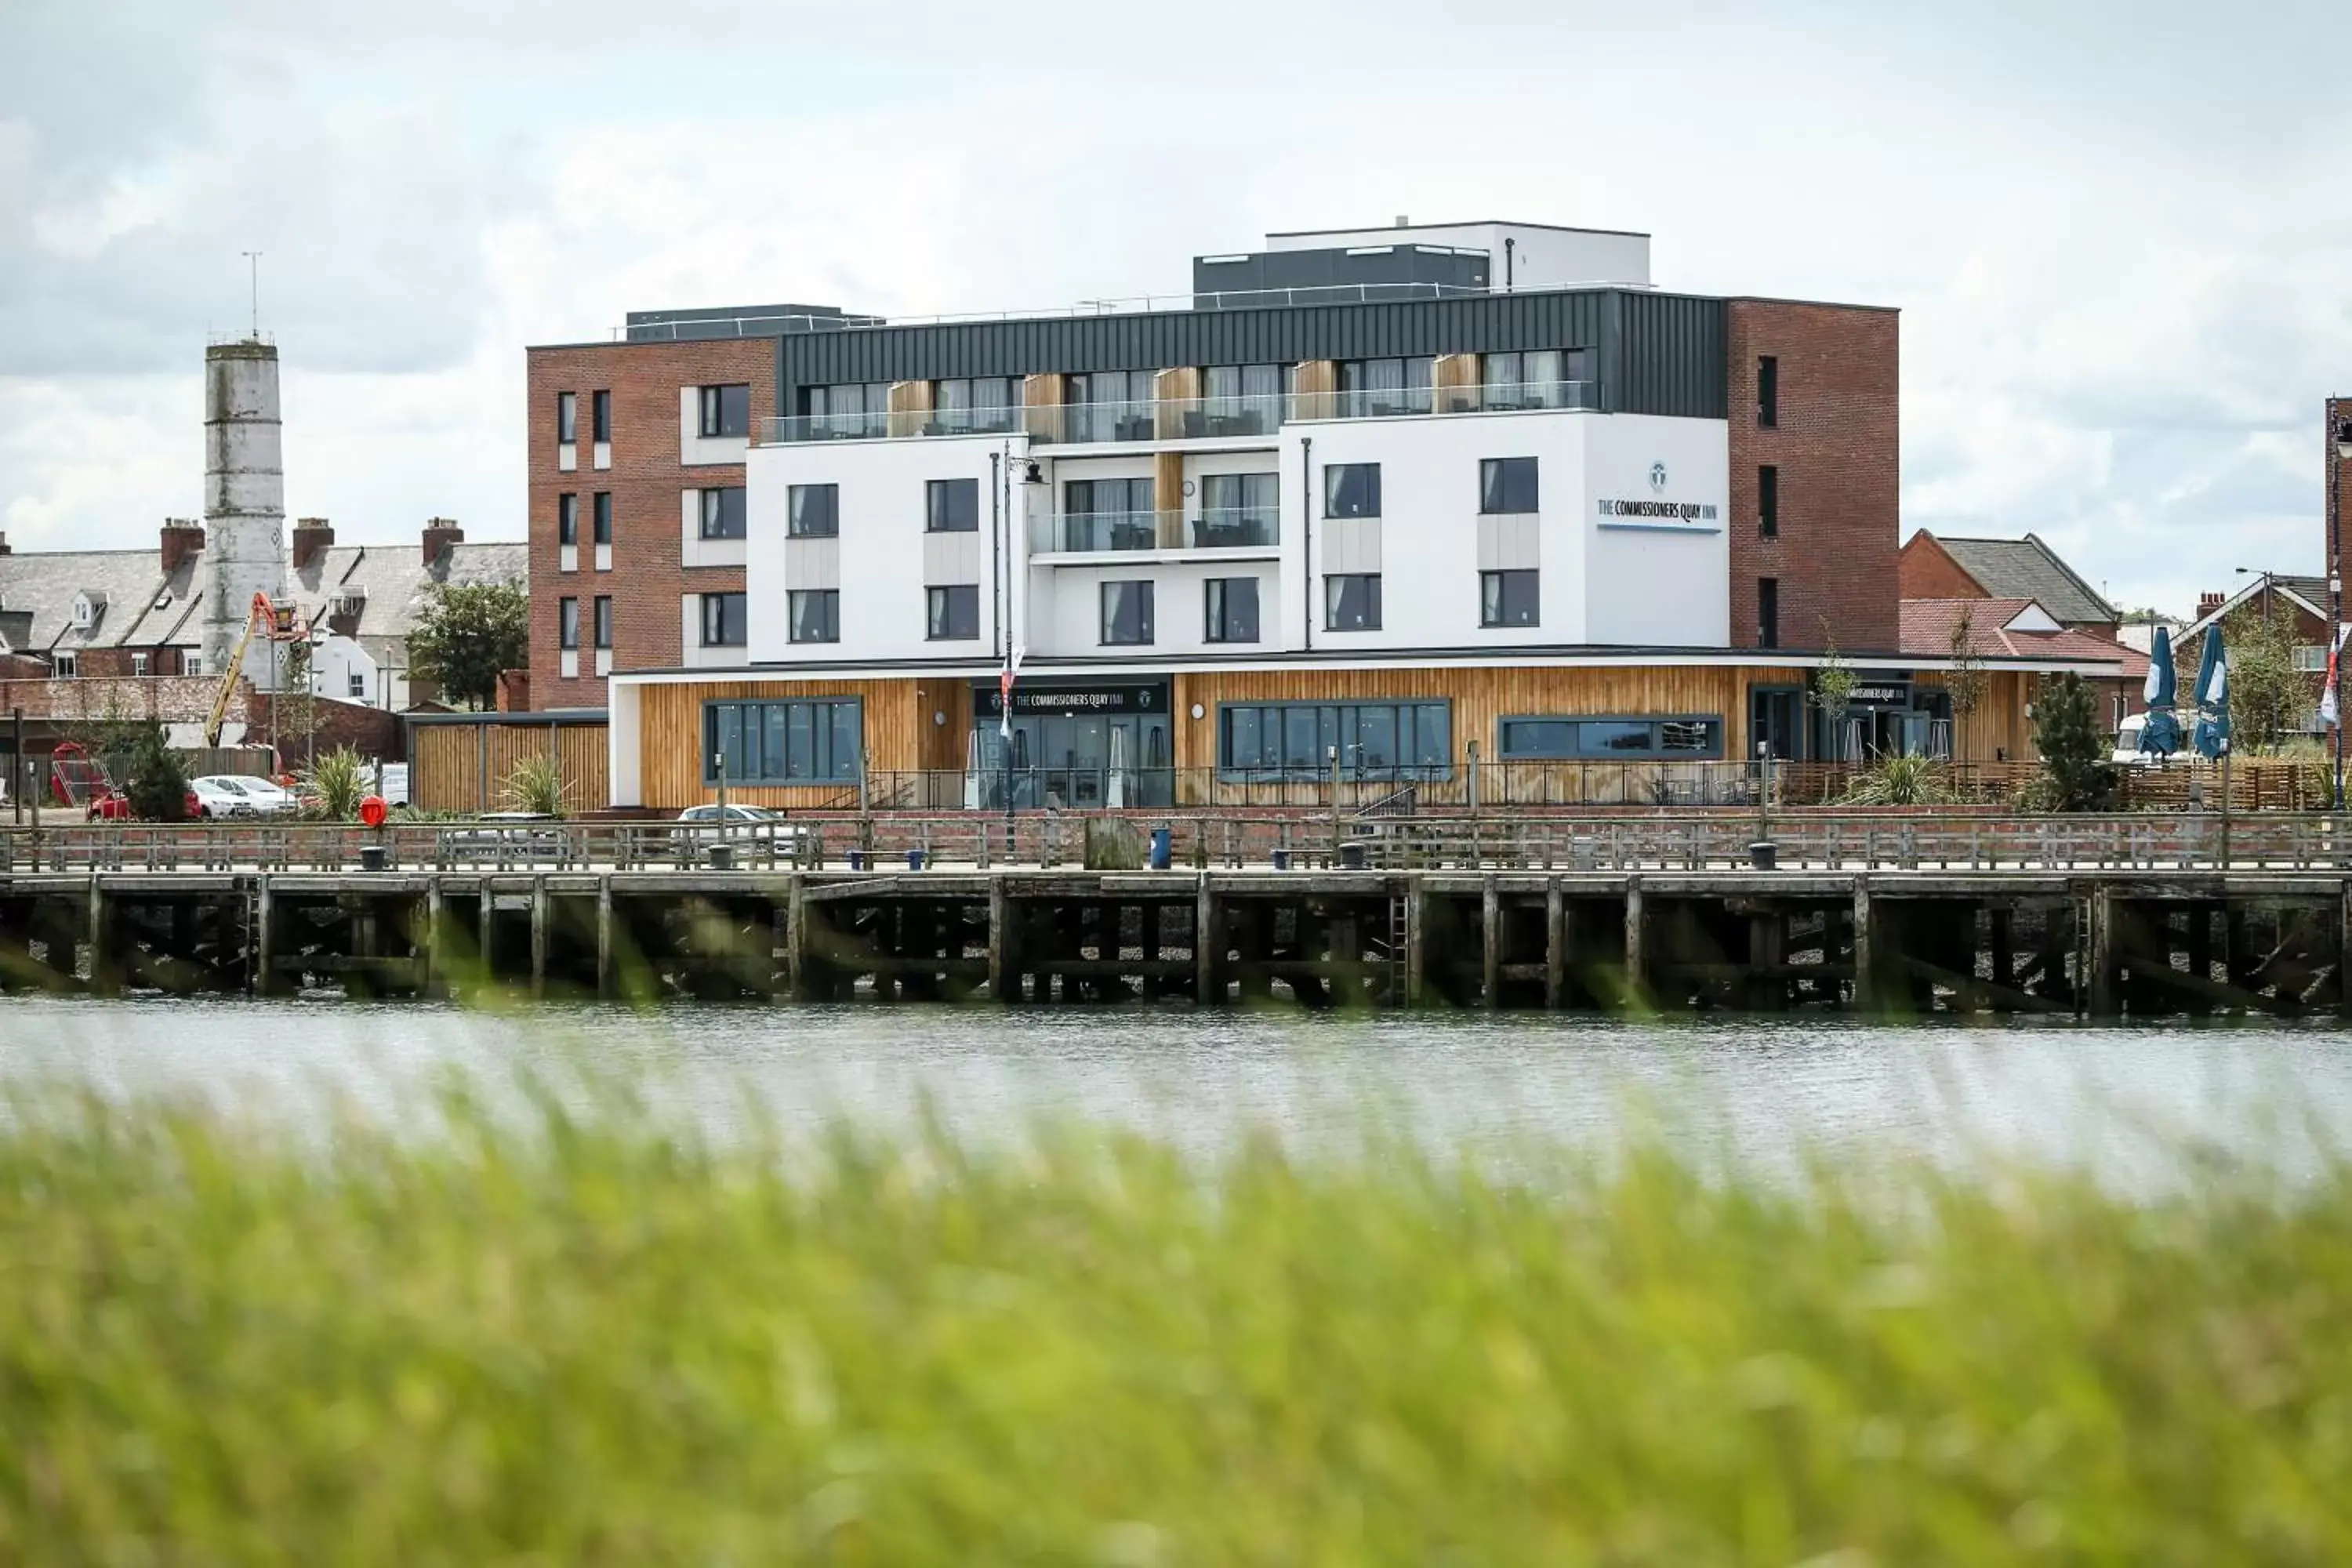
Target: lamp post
2340, 455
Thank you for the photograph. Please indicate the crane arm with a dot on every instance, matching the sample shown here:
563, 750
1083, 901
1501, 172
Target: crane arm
219, 715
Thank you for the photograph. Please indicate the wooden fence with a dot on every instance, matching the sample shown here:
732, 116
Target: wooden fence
462, 765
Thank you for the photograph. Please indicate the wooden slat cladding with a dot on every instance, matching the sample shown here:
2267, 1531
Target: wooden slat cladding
669, 735
465, 767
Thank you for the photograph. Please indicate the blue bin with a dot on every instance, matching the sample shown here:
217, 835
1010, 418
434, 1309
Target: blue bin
1163, 848
914, 859
858, 860
1282, 859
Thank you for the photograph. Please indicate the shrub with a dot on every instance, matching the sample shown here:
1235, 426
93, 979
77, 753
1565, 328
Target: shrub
2076, 775
157, 784
1902, 781
335, 784
536, 785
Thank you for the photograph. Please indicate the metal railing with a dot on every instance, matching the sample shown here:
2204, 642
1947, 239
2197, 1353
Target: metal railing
1097, 533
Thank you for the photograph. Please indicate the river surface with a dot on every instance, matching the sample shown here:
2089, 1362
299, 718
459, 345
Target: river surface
2263, 1094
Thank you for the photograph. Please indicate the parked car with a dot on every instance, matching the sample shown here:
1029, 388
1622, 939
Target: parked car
115, 806
745, 826
216, 795
269, 797
505, 835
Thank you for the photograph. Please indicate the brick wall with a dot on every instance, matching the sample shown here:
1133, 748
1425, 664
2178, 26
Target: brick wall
375, 734
1837, 444
645, 480
1927, 571
117, 661
179, 699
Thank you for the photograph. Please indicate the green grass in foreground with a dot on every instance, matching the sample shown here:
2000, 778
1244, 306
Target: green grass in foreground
592, 1344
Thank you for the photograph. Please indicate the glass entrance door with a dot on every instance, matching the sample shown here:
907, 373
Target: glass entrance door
1086, 762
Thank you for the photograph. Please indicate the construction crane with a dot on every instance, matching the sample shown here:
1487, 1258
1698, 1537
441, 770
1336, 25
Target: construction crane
273, 623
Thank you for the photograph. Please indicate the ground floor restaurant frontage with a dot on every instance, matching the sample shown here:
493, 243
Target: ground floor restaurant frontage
1689, 732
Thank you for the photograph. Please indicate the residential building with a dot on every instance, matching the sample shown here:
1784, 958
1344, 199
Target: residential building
1386, 507
2011, 641
2301, 601
1935, 567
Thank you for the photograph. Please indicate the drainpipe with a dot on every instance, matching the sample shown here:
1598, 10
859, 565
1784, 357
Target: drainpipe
996, 551
1306, 534
1509, 245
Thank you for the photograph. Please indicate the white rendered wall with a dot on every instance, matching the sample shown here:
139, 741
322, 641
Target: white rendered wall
621, 727
245, 499
1540, 258
333, 663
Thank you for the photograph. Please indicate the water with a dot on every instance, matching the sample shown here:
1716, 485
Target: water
2107, 1097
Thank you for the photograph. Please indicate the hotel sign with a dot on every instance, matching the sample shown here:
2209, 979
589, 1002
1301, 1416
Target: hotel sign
1660, 510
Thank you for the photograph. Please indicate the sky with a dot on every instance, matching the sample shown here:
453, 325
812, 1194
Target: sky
2119, 234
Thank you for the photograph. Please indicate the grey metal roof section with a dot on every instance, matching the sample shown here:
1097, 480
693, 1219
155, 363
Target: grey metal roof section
1657, 353
738, 321
1459, 223
1404, 271
2029, 569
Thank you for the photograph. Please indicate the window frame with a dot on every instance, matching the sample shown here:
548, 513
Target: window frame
939, 511
567, 625
567, 419
1535, 579
65, 663
1496, 493
937, 595
1332, 581
1149, 617
712, 410
843, 770
710, 507
794, 520
600, 417
1768, 627
601, 615
828, 600
567, 520
1656, 751
1333, 471
601, 524
356, 680
719, 597
1767, 391
1343, 730
1767, 500
1216, 596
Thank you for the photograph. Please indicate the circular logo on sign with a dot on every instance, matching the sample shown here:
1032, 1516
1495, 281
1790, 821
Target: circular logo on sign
1657, 476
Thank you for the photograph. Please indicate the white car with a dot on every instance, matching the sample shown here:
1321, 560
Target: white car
742, 825
269, 797
218, 796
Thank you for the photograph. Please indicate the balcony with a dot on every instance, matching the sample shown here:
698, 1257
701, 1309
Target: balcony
1398, 402
1114, 532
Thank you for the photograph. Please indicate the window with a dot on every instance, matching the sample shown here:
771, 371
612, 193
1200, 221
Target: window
1126, 614
604, 517
1539, 378
1239, 510
951, 614
567, 520
814, 613
1231, 610
722, 620
820, 742
1381, 387
1689, 738
722, 512
1352, 490
1507, 485
1351, 602
192, 662
1239, 400
1111, 405
1109, 514
358, 684
567, 624
1768, 612
567, 417
951, 506
979, 403
604, 620
848, 410
1767, 391
726, 411
1767, 500
1298, 739
813, 511
1507, 598
65, 662
599, 414
138, 664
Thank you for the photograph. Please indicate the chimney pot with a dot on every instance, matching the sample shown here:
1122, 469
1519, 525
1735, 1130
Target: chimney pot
1403, 221
311, 537
440, 533
183, 538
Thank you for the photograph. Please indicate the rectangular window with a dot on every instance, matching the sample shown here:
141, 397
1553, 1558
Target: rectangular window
1351, 602
818, 741
976, 405
952, 614
1507, 485
1127, 613
1768, 612
1537, 378
192, 663
567, 624
847, 411
604, 517
1238, 400
1352, 490
65, 662
1109, 514
1767, 391
722, 620
1692, 738
567, 520
567, 417
1767, 500
599, 414
1300, 739
604, 620
1373, 387
1111, 405
951, 506
138, 664
1508, 598
813, 511
815, 613
1231, 610
723, 512
726, 411
358, 684
1239, 510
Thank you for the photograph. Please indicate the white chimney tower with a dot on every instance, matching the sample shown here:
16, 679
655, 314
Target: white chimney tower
245, 500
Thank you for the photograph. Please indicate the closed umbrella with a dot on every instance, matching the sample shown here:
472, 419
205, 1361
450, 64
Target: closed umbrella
2160, 736
2211, 737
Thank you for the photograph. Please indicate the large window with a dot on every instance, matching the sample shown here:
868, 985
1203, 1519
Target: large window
952, 614
1687, 738
1508, 598
1239, 510
723, 624
1111, 405
1370, 387
567, 417
722, 513
813, 511
1231, 610
604, 517
599, 414
1127, 613
1538, 378
567, 519
1351, 602
951, 506
726, 411
818, 741
567, 624
1109, 514
1239, 400
976, 404
1352, 490
849, 409
1298, 739
1507, 485
814, 613
605, 621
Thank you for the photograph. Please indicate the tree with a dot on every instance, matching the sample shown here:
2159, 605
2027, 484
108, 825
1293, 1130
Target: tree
2269, 698
2076, 775
1833, 686
157, 787
1966, 682
468, 634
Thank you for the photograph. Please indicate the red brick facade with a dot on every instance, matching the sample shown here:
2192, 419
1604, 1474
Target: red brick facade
647, 581
1927, 571
1837, 444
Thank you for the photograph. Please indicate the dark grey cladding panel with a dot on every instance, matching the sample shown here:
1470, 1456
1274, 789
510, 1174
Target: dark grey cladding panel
1625, 326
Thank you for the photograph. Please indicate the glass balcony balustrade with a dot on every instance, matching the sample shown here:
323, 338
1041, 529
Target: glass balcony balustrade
1106, 533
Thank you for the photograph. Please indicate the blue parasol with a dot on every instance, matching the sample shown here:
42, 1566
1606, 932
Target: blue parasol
2160, 735
2211, 737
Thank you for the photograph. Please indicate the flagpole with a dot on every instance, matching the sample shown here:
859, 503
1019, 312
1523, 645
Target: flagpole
2339, 448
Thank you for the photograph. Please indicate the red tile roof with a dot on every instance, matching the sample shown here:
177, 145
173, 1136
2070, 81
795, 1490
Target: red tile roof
1928, 624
